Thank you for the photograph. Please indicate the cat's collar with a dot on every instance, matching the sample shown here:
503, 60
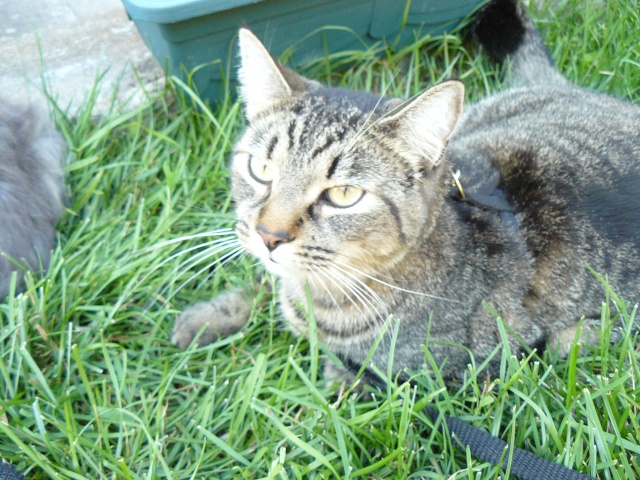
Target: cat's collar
494, 199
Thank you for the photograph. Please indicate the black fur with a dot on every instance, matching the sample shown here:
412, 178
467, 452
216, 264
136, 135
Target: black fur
499, 29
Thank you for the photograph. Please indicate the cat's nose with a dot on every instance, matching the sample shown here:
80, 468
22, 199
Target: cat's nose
273, 239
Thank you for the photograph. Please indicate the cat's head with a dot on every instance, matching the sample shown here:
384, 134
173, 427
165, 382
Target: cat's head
326, 176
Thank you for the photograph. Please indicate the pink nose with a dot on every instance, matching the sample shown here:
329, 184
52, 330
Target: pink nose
273, 239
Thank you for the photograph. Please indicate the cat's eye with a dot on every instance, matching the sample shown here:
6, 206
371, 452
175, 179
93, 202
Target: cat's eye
261, 170
343, 196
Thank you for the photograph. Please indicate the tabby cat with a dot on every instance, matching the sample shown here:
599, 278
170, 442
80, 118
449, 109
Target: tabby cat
32, 190
351, 195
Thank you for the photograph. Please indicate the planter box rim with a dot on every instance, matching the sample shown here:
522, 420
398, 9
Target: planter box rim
173, 11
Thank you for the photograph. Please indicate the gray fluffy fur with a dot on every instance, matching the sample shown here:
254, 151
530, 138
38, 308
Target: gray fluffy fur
565, 159
32, 191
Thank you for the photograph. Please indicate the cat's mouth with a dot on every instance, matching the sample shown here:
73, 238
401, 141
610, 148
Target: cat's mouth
288, 260
277, 261
277, 266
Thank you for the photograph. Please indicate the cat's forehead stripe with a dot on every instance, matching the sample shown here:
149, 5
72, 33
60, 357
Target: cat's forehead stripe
291, 132
319, 114
272, 146
327, 143
334, 165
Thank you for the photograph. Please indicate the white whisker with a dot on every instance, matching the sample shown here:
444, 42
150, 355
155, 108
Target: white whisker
395, 287
235, 256
255, 264
194, 260
316, 273
220, 261
362, 296
211, 233
364, 286
378, 120
365, 128
181, 252
338, 282
374, 272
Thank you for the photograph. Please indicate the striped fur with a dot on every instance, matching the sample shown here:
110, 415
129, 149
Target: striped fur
566, 159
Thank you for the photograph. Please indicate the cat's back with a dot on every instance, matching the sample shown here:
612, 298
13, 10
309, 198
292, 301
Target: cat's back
568, 161
572, 147
583, 144
565, 117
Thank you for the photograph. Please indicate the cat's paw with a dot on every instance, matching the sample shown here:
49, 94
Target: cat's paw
562, 341
339, 375
336, 374
223, 316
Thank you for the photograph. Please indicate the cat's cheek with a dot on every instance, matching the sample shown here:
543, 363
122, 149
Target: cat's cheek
256, 247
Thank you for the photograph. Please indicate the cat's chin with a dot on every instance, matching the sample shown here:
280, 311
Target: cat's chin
276, 269
284, 272
278, 262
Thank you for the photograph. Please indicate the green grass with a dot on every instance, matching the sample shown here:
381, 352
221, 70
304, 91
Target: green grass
90, 386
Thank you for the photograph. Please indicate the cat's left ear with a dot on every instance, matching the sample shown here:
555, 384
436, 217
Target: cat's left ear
420, 129
263, 80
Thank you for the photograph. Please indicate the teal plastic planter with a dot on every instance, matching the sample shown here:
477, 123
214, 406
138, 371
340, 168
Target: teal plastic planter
202, 33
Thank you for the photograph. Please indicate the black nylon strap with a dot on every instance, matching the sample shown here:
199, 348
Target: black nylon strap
7, 472
483, 445
488, 448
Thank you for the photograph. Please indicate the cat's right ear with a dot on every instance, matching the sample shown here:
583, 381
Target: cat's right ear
263, 80
419, 129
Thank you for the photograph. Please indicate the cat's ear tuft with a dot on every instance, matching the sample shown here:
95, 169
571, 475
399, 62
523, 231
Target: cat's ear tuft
263, 80
422, 127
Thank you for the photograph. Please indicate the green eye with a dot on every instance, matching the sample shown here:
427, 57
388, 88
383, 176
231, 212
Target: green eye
262, 171
343, 196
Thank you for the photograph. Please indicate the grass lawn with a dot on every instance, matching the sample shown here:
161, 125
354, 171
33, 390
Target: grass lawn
90, 386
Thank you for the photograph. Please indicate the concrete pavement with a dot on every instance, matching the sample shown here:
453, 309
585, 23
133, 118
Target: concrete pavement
69, 43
